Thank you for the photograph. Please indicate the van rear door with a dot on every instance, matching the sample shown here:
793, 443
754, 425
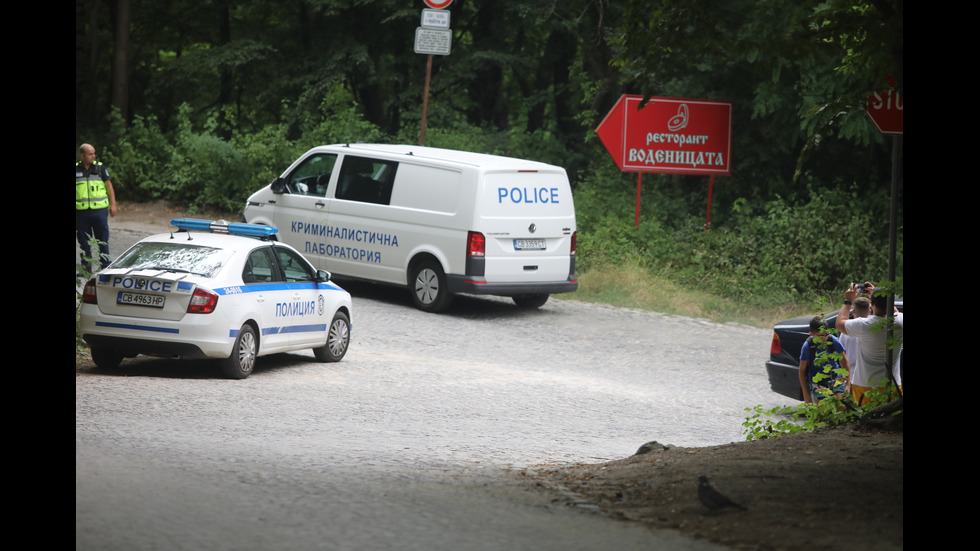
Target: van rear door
528, 219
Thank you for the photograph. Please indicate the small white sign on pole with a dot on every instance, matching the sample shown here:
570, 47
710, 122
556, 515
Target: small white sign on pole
437, 19
433, 41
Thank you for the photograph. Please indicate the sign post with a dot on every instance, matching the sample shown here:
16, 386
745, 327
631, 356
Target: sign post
885, 111
432, 37
669, 136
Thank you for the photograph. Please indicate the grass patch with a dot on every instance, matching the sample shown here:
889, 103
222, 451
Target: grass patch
633, 285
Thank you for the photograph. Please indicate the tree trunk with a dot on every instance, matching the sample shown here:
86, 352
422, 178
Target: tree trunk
120, 59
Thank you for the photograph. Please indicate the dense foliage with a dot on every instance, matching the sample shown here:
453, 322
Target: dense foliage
203, 102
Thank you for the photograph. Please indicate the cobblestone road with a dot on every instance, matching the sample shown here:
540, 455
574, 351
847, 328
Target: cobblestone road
413, 440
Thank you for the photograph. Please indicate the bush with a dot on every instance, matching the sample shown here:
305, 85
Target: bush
268, 153
775, 251
462, 137
136, 154
197, 168
340, 121
828, 413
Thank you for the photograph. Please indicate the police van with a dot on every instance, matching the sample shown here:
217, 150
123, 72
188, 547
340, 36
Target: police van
437, 221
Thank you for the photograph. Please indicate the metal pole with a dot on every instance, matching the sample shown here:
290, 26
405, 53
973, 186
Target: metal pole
893, 243
425, 98
711, 187
639, 182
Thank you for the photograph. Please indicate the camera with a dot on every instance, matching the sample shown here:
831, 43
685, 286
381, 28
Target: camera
862, 287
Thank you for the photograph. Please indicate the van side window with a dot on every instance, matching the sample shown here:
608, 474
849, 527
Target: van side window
312, 177
366, 180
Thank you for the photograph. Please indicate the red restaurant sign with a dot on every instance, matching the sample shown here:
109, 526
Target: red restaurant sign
669, 135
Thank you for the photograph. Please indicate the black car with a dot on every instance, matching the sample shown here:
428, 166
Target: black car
788, 337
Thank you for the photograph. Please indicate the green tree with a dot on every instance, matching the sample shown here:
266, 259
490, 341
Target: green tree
799, 74
254, 63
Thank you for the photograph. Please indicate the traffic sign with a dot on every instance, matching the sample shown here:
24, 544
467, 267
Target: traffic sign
669, 135
438, 4
433, 41
438, 19
885, 111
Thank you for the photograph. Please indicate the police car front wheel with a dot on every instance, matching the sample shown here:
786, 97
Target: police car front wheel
338, 339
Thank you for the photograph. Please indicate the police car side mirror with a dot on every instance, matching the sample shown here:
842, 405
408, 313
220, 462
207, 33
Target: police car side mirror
322, 276
278, 185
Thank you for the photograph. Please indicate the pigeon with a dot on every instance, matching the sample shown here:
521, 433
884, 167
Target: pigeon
712, 498
652, 446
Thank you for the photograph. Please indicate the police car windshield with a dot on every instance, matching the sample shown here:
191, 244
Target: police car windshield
177, 257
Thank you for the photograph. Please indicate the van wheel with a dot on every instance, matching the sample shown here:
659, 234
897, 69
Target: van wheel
338, 339
530, 301
241, 362
428, 286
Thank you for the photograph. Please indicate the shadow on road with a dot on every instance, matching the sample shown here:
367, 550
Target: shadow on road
173, 368
463, 306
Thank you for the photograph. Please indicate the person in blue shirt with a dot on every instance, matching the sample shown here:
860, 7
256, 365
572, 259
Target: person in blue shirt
821, 370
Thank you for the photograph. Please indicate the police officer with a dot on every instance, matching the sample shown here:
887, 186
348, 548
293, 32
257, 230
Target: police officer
95, 201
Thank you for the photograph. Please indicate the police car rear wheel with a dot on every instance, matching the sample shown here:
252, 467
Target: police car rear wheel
429, 287
338, 338
242, 360
106, 358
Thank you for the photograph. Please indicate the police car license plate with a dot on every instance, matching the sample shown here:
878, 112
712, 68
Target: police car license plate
529, 244
140, 299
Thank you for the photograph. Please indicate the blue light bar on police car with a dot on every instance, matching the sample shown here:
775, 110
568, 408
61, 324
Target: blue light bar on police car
237, 228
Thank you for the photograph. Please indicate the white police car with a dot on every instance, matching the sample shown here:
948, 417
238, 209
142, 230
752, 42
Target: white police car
213, 290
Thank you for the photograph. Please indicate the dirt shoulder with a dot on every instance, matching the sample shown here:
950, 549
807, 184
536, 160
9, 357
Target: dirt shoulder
834, 489
155, 216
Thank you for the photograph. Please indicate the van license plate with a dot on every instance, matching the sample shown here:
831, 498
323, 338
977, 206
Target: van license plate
140, 299
529, 245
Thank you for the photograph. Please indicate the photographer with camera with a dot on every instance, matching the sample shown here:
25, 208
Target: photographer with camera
871, 338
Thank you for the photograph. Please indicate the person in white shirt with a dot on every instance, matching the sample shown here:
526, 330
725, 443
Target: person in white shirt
872, 346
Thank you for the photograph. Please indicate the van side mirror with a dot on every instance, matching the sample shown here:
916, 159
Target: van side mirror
278, 185
322, 276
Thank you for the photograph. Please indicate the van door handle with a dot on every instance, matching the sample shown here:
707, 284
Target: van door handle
320, 204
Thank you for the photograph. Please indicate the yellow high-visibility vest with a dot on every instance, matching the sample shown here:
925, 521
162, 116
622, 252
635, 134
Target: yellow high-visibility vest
90, 190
